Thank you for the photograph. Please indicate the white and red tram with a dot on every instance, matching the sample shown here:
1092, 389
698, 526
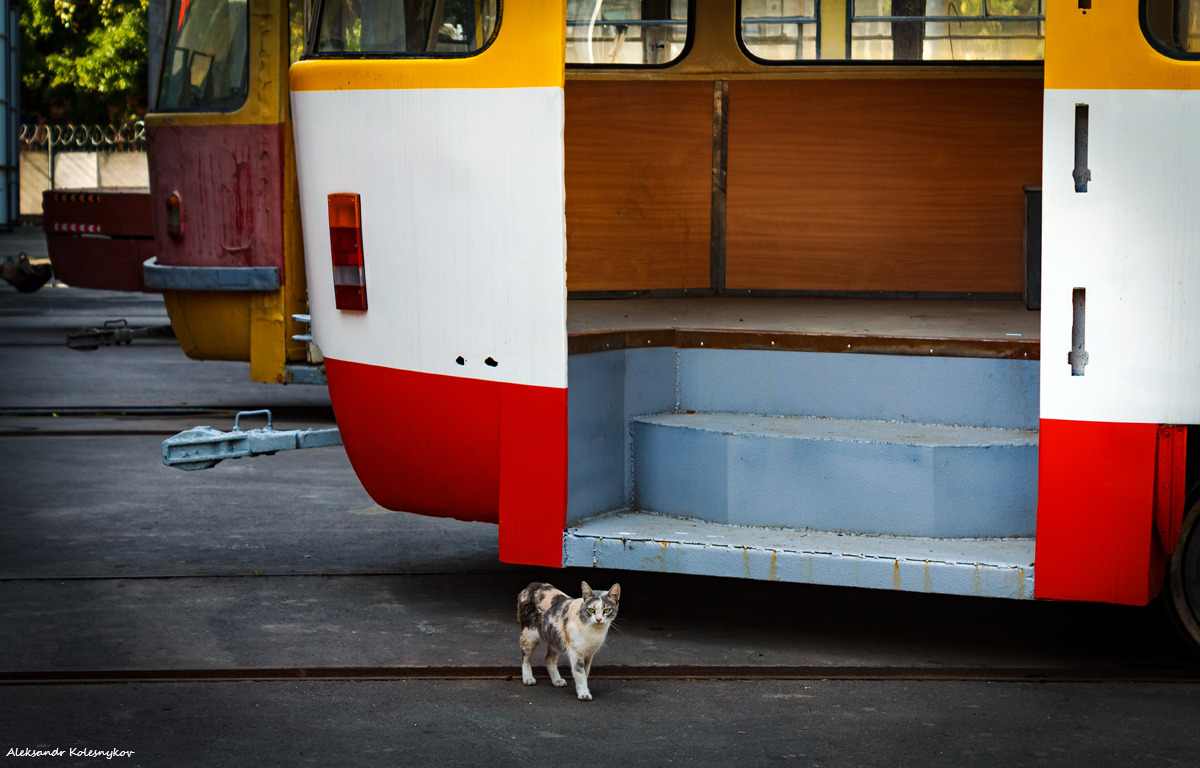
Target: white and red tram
736, 288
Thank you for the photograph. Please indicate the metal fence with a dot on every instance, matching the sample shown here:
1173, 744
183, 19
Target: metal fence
71, 137
72, 156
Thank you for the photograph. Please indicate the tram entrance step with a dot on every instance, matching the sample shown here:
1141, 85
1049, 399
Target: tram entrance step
642, 541
844, 475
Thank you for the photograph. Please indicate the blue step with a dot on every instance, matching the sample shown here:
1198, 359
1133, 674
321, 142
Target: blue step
640, 541
837, 475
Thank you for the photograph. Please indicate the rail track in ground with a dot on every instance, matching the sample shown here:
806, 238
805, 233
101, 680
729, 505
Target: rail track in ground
1117, 674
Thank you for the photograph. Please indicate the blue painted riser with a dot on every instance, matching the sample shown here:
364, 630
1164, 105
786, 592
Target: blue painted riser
873, 484
837, 475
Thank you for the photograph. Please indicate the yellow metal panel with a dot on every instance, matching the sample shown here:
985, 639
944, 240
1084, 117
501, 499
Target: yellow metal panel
531, 33
833, 29
268, 325
1104, 49
211, 325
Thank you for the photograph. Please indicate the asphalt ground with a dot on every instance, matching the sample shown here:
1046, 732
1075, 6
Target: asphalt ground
111, 561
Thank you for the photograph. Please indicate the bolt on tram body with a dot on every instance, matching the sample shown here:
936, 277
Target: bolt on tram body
855, 292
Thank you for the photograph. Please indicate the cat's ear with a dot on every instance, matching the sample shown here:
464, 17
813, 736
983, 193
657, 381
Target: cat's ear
614, 593
587, 591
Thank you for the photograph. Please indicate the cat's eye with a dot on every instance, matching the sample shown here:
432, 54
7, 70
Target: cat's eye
591, 610
608, 610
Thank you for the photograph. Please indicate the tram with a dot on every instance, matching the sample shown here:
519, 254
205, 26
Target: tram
227, 242
850, 292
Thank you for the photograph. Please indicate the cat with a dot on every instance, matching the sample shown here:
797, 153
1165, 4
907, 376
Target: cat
576, 627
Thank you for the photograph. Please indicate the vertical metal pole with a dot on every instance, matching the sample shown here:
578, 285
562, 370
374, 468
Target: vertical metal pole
9, 89
156, 38
50, 154
720, 165
14, 110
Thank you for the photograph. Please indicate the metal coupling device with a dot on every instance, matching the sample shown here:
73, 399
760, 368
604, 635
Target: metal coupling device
205, 447
114, 332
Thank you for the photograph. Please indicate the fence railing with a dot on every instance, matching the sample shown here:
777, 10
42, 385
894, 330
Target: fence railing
73, 156
87, 138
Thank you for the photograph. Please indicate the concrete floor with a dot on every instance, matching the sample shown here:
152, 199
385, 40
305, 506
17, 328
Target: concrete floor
108, 560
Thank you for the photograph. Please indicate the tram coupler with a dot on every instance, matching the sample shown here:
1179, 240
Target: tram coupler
112, 333
205, 447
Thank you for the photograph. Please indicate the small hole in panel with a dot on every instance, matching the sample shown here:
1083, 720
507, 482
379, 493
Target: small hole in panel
460, 360
490, 362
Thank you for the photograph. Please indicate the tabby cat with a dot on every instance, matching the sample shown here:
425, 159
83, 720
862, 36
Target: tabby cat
576, 627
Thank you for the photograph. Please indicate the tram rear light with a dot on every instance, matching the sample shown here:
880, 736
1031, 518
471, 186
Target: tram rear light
345, 240
174, 222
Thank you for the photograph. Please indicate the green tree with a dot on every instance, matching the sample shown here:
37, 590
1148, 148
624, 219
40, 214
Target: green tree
83, 60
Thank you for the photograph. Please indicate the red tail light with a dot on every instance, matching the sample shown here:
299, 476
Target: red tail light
174, 222
345, 240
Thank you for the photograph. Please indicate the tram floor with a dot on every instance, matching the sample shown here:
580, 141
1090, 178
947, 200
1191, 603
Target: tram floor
110, 561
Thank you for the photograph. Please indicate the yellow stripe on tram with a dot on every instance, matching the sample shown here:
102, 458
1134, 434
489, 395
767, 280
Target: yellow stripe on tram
1104, 49
528, 52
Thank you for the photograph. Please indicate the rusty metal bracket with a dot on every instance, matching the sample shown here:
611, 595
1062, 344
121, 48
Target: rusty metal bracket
114, 332
204, 447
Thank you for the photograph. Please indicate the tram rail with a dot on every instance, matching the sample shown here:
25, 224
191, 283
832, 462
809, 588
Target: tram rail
1122, 674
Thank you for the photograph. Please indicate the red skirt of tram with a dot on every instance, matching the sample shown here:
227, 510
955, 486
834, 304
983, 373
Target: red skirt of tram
1110, 507
464, 448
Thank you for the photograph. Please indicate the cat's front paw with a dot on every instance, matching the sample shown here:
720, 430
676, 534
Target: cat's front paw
585, 696
528, 681
559, 682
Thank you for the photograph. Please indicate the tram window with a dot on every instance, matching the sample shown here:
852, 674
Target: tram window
206, 67
406, 27
775, 31
948, 30
626, 32
1174, 25
780, 30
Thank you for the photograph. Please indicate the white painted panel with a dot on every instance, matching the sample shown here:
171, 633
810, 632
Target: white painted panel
464, 235
1133, 242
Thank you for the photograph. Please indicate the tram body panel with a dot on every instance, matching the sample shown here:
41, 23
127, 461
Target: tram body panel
227, 161
460, 203
458, 168
1121, 265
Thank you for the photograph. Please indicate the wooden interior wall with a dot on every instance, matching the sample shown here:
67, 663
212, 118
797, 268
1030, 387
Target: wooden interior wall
639, 184
895, 185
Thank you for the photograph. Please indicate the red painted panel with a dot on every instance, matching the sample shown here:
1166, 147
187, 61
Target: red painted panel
455, 447
1095, 525
1170, 484
98, 262
533, 474
113, 212
230, 184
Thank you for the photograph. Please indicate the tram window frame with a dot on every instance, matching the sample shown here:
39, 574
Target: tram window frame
314, 37
689, 39
1154, 40
170, 45
849, 42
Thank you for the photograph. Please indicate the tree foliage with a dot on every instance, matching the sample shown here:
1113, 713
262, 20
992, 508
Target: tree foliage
83, 60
